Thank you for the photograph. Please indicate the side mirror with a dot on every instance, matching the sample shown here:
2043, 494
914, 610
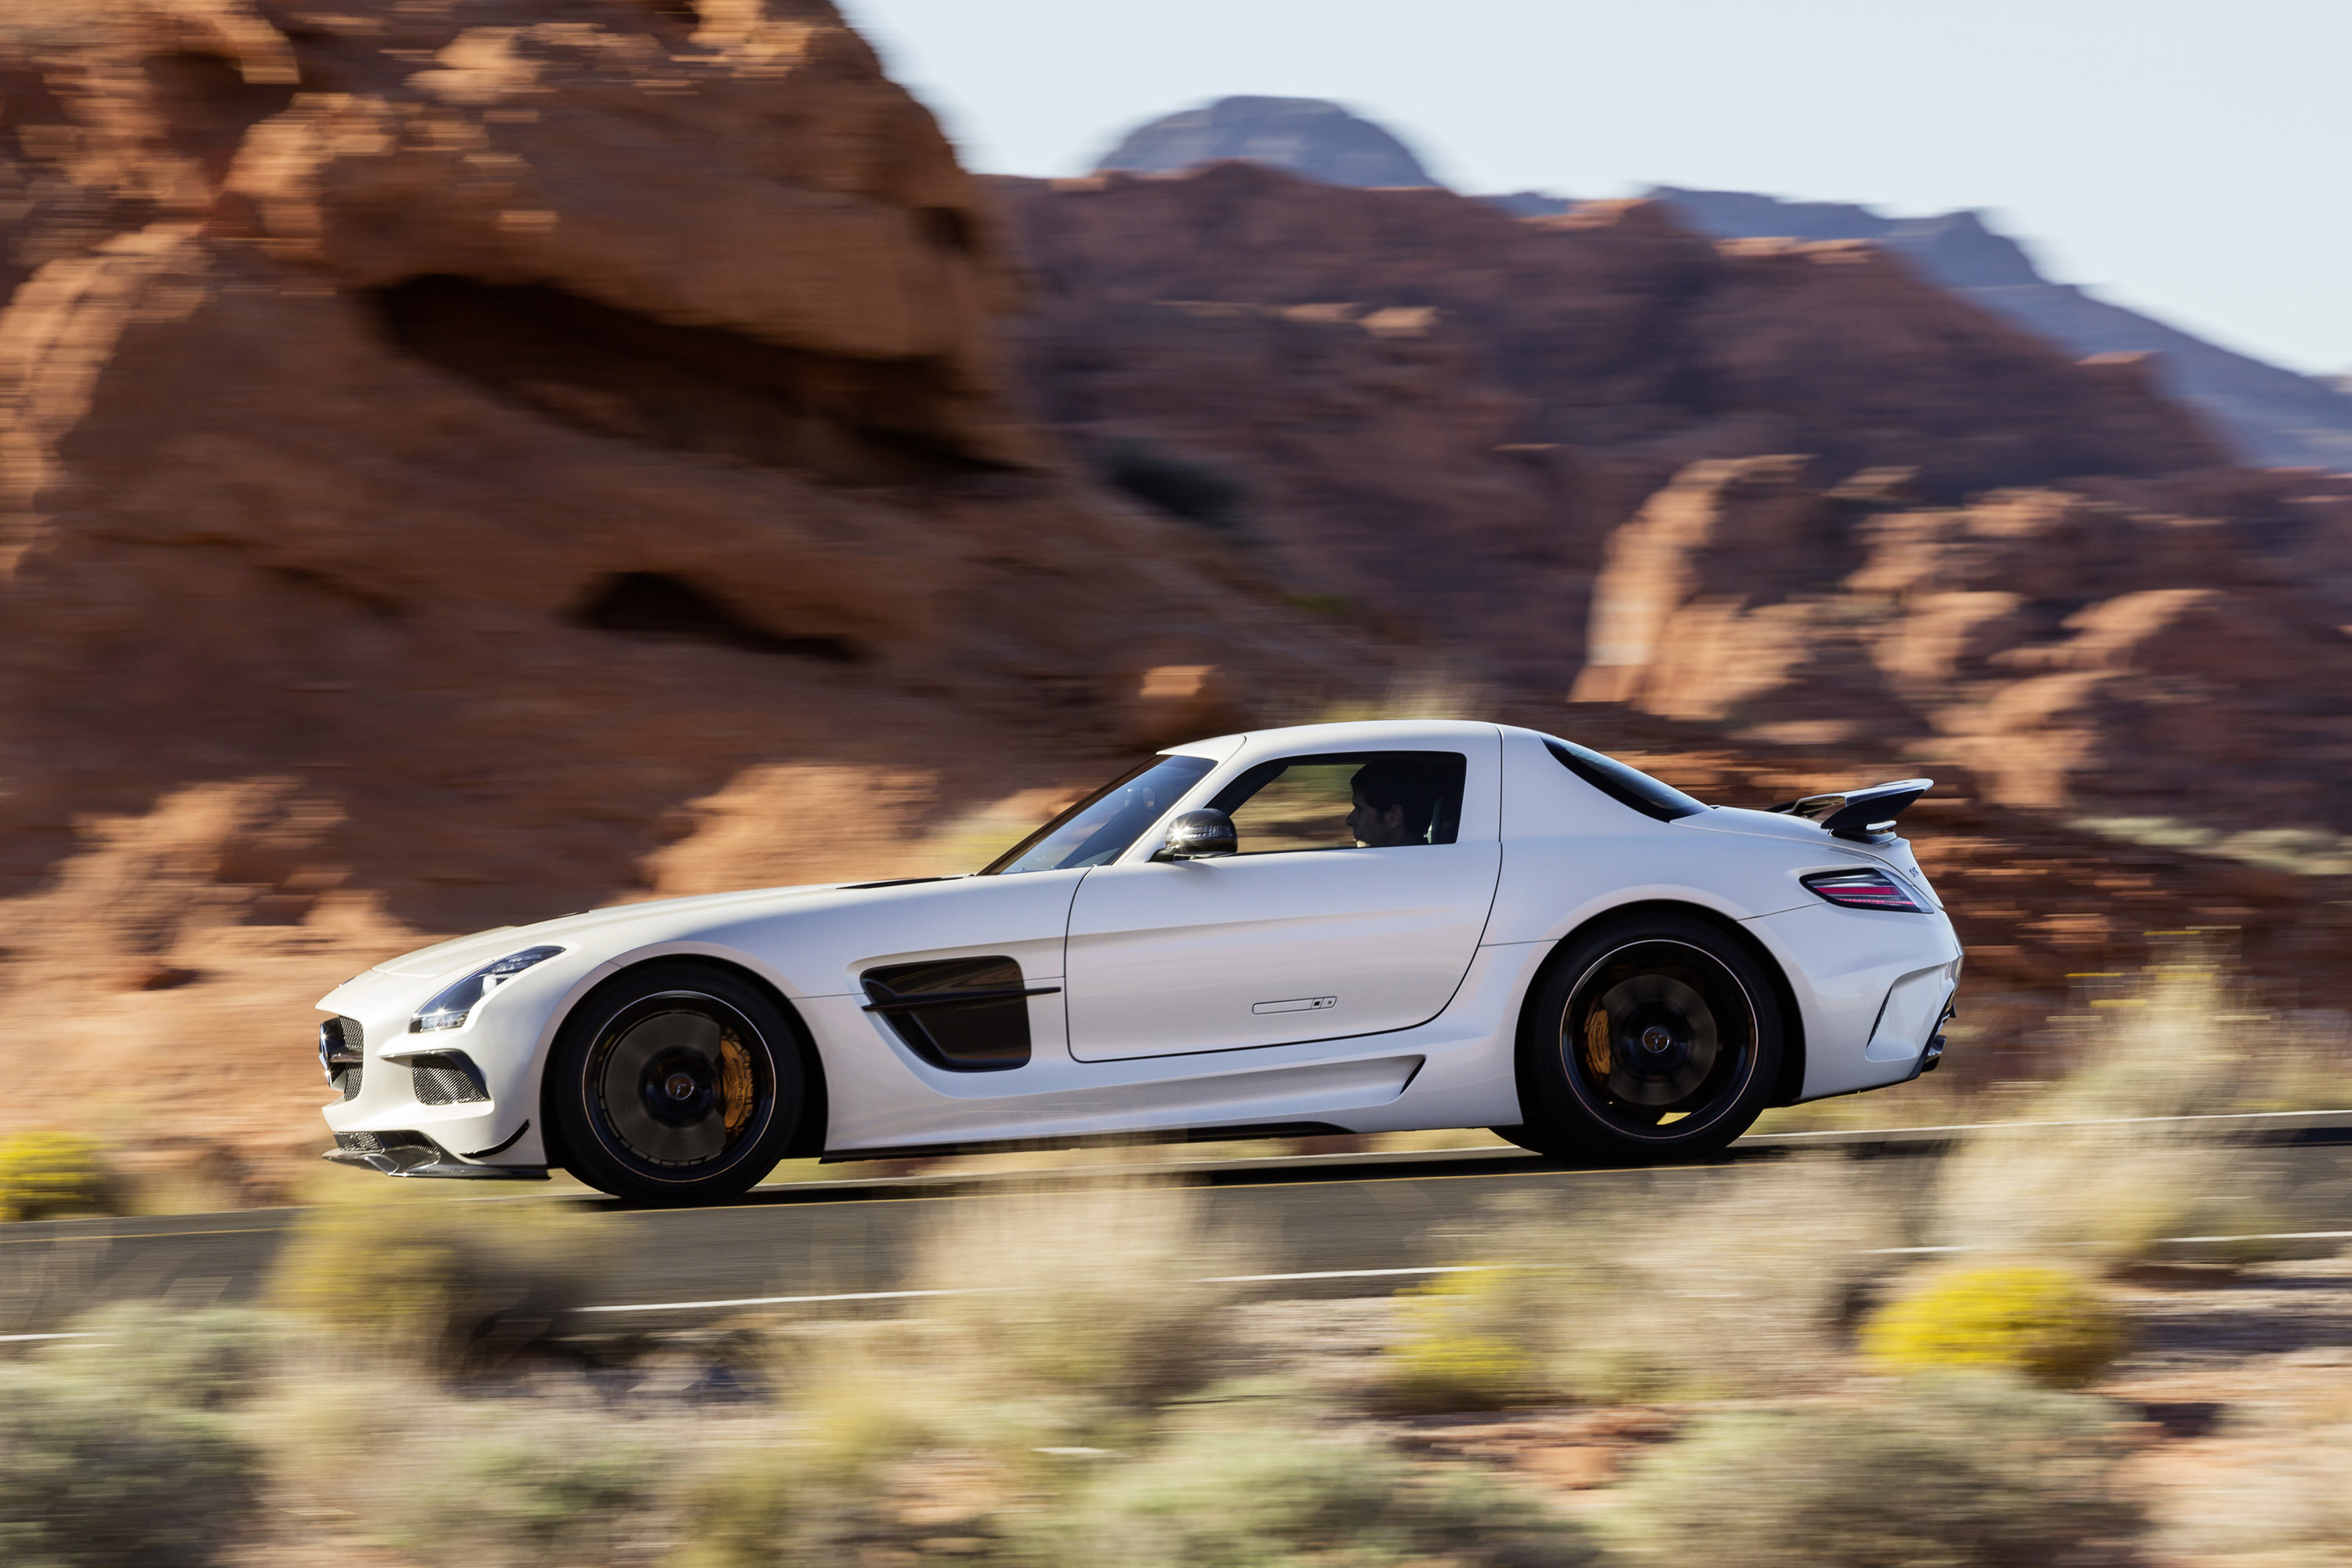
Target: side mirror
1199, 835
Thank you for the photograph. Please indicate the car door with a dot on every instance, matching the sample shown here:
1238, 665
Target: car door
1304, 934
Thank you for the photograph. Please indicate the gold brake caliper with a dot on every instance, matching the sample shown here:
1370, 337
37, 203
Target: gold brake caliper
735, 1092
1596, 1042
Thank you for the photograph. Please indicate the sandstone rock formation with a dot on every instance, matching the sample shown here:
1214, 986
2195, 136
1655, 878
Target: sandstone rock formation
467, 460
1308, 136
462, 461
1439, 412
2170, 648
2269, 415
2027, 576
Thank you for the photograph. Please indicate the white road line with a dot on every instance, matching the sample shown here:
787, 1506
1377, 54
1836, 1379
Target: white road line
1345, 1274
1318, 1274
791, 1301
2272, 1236
2160, 1241
19, 1338
992, 1290
2084, 1122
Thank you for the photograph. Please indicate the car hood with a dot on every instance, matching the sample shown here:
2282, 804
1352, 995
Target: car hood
488, 946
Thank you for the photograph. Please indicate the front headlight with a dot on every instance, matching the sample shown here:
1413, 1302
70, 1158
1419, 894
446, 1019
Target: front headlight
456, 1004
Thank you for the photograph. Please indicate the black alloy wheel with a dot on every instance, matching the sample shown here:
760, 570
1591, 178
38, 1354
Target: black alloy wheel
679, 1084
1648, 1036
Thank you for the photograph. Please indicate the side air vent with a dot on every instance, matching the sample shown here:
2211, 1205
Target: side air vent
446, 1078
969, 1015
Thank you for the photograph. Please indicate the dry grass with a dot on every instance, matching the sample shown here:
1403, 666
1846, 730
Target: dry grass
2184, 1035
1690, 1291
1104, 1289
2093, 1172
438, 1280
124, 1449
1066, 1395
2286, 1504
1972, 1472
542, 1476
1257, 1496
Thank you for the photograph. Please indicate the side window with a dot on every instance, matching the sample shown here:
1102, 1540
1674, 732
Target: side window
1345, 800
1625, 784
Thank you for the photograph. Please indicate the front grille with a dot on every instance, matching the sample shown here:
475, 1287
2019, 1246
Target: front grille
347, 1081
364, 1142
446, 1078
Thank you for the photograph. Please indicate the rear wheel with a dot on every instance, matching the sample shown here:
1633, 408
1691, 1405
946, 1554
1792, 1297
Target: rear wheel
680, 1085
1650, 1036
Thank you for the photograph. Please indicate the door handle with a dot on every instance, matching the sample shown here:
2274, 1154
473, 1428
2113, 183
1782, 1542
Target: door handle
1297, 1005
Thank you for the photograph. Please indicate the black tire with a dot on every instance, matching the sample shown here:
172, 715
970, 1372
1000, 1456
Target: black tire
681, 1083
1649, 1036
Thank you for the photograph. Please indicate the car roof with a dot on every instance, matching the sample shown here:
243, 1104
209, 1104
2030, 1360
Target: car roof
1357, 735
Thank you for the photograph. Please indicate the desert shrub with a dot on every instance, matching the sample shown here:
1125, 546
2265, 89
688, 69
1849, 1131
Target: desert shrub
43, 1174
1739, 1284
2171, 1041
767, 1504
93, 1474
1110, 1291
520, 1488
2116, 1195
203, 1359
2185, 1035
1462, 1343
2282, 1503
2042, 1322
1967, 1470
1255, 1498
742, 1512
544, 1476
1066, 1317
456, 1284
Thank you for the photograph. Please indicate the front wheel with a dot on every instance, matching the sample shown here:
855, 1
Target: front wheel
1650, 1036
680, 1084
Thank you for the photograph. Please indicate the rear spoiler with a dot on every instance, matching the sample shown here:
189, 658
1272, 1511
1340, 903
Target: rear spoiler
1860, 814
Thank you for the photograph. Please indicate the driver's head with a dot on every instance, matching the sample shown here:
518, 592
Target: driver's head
1394, 800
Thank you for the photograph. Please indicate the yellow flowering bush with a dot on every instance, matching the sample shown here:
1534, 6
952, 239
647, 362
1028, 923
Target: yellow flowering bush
2046, 1323
43, 1174
1464, 1345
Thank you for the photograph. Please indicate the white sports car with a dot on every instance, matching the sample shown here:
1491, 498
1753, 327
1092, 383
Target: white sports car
1361, 928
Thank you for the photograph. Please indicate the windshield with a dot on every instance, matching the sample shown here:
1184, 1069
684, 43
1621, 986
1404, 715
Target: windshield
1100, 828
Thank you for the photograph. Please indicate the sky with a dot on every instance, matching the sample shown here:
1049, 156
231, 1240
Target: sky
2187, 158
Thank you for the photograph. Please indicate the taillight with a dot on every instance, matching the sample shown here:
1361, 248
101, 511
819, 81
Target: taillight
1864, 891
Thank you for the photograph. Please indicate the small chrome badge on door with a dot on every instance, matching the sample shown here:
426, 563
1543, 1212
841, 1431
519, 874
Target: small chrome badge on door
1299, 1004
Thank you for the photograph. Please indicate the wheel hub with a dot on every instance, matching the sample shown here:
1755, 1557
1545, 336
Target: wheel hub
1657, 1033
677, 1081
677, 1087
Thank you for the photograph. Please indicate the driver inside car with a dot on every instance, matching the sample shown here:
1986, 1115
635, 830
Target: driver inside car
1395, 801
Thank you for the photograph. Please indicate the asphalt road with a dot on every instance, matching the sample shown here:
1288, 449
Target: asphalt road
1313, 1226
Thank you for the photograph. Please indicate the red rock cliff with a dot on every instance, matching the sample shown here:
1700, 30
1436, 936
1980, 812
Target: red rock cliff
463, 461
